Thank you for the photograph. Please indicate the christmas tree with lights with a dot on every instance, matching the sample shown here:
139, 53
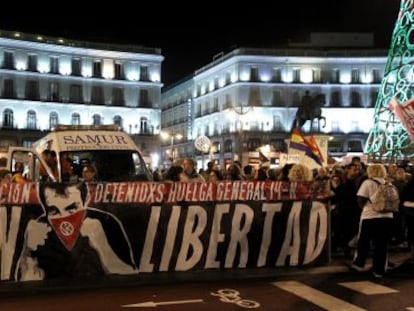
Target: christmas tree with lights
392, 135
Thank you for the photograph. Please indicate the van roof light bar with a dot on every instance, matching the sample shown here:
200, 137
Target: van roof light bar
106, 127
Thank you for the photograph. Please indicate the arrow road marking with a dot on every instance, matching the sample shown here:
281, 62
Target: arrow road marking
154, 304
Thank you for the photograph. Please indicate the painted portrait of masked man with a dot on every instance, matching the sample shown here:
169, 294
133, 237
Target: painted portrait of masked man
71, 239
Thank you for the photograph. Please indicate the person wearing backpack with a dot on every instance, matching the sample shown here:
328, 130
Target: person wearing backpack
375, 227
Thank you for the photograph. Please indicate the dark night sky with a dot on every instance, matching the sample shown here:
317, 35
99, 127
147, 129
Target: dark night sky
190, 37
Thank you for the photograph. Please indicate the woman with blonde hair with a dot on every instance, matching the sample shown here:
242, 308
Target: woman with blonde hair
299, 172
375, 227
299, 175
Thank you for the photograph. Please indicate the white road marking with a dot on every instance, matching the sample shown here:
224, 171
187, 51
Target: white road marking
230, 295
316, 297
162, 303
368, 288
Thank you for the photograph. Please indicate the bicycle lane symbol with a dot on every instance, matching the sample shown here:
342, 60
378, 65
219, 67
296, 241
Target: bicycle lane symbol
229, 295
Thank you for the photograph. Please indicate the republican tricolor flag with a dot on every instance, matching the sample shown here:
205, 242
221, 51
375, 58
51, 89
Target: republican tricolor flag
309, 146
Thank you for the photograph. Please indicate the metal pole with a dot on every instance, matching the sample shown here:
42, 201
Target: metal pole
172, 148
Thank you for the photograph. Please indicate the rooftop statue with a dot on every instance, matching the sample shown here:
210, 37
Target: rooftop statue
309, 110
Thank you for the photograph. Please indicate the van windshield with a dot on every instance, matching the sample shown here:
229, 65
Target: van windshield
111, 165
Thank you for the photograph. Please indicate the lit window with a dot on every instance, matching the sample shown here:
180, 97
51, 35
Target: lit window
75, 119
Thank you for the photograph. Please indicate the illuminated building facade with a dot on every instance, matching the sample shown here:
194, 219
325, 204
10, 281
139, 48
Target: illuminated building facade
45, 81
248, 98
241, 101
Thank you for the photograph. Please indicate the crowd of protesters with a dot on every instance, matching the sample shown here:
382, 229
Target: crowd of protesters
349, 214
355, 226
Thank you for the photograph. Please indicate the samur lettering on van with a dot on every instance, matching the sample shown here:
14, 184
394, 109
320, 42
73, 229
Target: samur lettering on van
94, 139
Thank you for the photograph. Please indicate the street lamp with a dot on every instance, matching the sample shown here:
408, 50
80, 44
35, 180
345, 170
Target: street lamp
171, 137
242, 116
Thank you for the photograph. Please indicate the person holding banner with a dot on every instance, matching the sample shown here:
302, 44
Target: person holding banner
190, 171
175, 173
299, 177
299, 172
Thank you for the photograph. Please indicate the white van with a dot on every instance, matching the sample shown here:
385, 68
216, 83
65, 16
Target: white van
112, 151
